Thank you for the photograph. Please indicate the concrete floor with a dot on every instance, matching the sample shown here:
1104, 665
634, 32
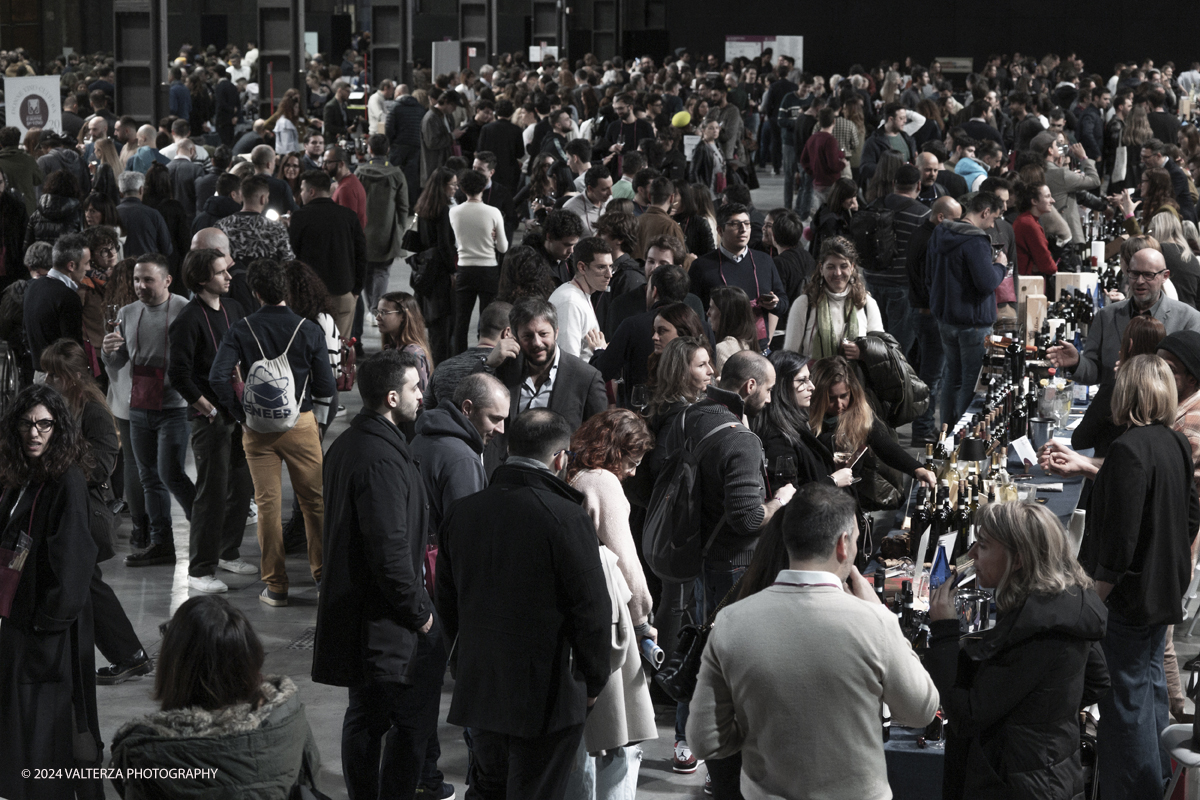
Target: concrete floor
150, 595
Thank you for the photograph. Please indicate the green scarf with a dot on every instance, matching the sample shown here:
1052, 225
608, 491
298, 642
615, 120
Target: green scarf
824, 344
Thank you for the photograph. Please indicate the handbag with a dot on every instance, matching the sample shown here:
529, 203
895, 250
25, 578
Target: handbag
431, 551
346, 369
12, 562
148, 383
677, 676
412, 240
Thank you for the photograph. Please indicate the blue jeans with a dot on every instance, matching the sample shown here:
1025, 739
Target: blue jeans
895, 311
713, 585
929, 345
963, 348
1134, 712
160, 441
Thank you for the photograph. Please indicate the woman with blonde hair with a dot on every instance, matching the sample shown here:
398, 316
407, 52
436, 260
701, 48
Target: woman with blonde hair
1184, 267
732, 319
684, 373
891, 87
1141, 517
835, 308
108, 169
1013, 693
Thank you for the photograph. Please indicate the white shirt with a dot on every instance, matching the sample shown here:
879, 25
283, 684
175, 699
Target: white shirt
810, 577
172, 150
377, 113
238, 73
251, 58
575, 318
532, 397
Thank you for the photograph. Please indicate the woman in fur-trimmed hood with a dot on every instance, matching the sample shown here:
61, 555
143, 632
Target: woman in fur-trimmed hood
229, 728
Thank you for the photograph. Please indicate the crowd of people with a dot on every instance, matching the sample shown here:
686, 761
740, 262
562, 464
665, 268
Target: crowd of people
504, 509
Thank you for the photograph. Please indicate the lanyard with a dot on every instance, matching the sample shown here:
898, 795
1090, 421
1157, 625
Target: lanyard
753, 268
801, 585
137, 330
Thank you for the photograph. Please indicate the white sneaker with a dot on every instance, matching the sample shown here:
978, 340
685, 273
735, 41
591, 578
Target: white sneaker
253, 515
238, 566
209, 584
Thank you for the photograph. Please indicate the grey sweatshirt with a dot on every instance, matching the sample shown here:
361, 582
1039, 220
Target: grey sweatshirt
145, 330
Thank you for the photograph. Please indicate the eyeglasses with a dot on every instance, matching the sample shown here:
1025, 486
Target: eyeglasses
381, 313
106, 251
570, 453
741, 226
43, 425
1139, 275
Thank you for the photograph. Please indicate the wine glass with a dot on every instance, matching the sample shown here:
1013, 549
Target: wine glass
785, 470
110, 317
621, 141
639, 398
1062, 405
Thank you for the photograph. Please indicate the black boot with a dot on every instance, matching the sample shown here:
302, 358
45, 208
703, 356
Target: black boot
295, 540
161, 553
138, 664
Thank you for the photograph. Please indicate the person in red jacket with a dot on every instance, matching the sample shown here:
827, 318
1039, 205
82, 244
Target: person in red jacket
1033, 252
822, 158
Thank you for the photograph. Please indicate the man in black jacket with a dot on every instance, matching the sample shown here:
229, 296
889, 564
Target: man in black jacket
52, 309
377, 632
329, 238
503, 138
527, 607
223, 483
1154, 154
888, 136
271, 331
541, 375
228, 103
403, 130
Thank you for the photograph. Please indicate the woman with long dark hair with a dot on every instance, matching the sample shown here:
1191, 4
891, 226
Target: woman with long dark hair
1158, 197
288, 170
216, 708
697, 233
732, 319
47, 679
309, 298
99, 210
401, 327
67, 371
287, 126
435, 232
834, 215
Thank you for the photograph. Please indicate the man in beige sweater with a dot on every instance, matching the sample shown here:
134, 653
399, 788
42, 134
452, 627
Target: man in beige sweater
794, 677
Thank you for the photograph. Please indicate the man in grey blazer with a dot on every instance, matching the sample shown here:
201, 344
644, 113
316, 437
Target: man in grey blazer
1147, 272
538, 374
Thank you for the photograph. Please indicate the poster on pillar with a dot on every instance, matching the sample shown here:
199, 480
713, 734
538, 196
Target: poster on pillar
33, 103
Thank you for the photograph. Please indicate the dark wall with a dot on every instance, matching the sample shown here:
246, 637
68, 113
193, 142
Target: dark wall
839, 34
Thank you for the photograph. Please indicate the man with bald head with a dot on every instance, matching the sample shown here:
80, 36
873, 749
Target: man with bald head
929, 190
929, 340
239, 287
1146, 272
146, 153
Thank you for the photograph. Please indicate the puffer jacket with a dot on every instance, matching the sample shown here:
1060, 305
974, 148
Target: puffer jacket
403, 124
893, 380
1012, 696
55, 216
252, 752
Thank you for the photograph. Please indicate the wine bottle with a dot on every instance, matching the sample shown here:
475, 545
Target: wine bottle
880, 579
929, 465
963, 519
920, 522
939, 525
940, 450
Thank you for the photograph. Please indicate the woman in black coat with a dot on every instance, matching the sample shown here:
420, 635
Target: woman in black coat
159, 196
13, 221
47, 694
782, 426
1012, 694
58, 210
436, 292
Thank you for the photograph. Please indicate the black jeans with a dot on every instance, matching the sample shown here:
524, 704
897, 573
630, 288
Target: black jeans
407, 713
223, 491
115, 637
472, 283
505, 767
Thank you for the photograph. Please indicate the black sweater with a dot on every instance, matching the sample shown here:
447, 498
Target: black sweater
52, 311
195, 336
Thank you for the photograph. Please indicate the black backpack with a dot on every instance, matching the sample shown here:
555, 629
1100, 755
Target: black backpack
672, 541
871, 229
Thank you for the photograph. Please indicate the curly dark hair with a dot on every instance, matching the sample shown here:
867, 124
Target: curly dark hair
609, 439
306, 292
158, 186
524, 274
119, 291
62, 184
66, 447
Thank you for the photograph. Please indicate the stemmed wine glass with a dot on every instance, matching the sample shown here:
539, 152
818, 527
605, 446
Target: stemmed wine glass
110, 317
639, 398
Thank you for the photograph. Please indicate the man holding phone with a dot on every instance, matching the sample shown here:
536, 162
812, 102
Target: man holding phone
733, 263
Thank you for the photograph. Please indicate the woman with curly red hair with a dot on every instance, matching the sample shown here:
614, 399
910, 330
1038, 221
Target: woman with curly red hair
606, 450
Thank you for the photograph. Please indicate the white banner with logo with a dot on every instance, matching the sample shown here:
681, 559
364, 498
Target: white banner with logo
33, 103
